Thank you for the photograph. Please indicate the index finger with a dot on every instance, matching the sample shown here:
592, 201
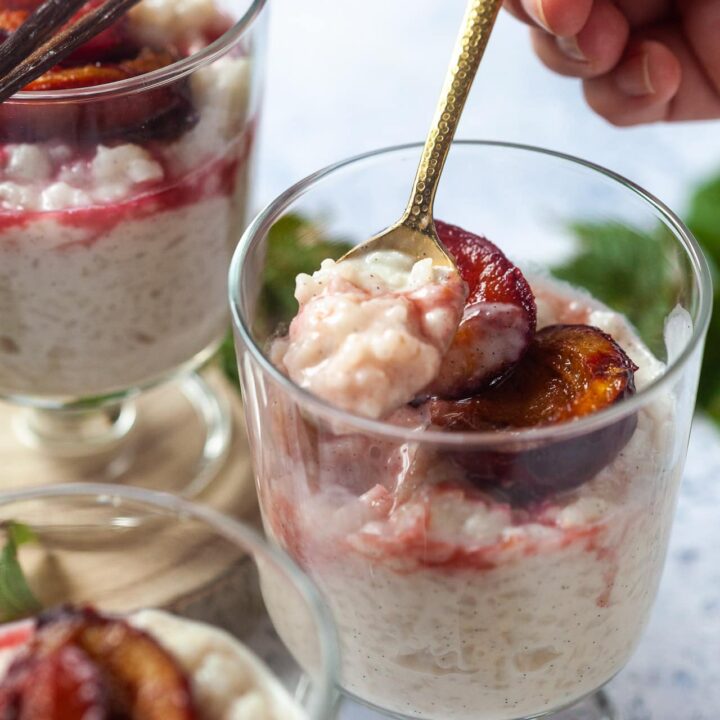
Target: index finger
564, 18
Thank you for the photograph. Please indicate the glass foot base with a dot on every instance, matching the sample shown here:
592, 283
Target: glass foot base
174, 438
593, 707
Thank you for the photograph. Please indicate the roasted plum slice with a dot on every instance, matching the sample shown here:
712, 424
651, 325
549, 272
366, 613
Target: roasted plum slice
10, 21
163, 112
26, 5
65, 685
499, 319
55, 682
112, 56
79, 660
114, 43
568, 372
142, 676
99, 73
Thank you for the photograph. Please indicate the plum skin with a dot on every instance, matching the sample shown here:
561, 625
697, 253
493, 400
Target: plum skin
90, 663
500, 304
569, 371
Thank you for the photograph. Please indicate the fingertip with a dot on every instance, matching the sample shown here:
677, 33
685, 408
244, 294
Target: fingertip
515, 8
649, 69
564, 17
640, 89
664, 69
592, 52
555, 57
603, 39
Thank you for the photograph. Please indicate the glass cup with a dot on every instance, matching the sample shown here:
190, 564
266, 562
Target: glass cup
132, 552
120, 206
452, 600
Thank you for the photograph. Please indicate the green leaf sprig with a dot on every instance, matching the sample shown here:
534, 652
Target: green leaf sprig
16, 598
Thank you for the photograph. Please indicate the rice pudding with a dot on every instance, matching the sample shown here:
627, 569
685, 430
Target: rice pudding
115, 236
485, 582
371, 331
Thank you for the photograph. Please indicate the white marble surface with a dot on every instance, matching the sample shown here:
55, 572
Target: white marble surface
347, 76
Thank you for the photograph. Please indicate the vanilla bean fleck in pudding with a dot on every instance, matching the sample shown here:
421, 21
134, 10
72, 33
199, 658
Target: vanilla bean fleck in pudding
118, 213
487, 580
78, 663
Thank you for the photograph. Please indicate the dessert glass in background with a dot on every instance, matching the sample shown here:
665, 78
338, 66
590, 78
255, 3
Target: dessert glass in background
452, 605
120, 206
162, 562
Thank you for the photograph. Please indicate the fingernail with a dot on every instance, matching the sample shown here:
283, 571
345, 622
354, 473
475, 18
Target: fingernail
633, 76
535, 9
570, 48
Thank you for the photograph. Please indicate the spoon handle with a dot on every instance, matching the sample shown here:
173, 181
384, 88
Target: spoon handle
479, 19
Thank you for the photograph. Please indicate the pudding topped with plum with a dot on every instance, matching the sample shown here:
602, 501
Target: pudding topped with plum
77, 664
120, 206
471, 544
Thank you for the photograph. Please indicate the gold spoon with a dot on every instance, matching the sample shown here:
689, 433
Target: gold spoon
415, 234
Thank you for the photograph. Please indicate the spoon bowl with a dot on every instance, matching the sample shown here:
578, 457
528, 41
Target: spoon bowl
419, 244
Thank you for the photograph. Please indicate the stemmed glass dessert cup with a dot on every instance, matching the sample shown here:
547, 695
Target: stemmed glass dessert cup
191, 577
120, 206
455, 596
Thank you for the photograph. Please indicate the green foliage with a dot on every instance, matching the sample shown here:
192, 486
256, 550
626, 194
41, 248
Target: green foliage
704, 220
703, 217
228, 360
16, 598
624, 267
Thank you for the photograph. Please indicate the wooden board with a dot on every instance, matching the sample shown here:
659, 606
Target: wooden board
159, 453
160, 564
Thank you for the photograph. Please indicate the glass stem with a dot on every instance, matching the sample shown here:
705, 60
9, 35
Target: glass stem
71, 432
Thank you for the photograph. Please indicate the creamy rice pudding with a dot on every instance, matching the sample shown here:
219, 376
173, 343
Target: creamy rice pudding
117, 219
486, 582
372, 331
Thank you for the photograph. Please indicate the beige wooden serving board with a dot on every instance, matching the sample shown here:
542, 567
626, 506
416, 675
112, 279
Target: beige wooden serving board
160, 563
162, 446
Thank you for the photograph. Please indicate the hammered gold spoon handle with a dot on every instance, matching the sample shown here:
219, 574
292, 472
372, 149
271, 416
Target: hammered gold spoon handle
478, 24
415, 232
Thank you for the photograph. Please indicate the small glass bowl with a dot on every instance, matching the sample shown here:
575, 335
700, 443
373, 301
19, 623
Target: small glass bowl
124, 550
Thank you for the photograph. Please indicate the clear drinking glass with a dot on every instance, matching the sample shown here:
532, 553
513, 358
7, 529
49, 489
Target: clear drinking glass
120, 206
448, 606
126, 551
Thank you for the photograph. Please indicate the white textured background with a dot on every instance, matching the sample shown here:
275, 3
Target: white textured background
346, 76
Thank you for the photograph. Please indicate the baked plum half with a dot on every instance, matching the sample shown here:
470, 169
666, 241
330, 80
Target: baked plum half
81, 665
568, 372
499, 318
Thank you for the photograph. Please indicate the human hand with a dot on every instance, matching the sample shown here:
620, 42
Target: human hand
640, 61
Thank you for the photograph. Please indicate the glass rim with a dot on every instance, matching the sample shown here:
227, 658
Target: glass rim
262, 222
155, 78
233, 531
